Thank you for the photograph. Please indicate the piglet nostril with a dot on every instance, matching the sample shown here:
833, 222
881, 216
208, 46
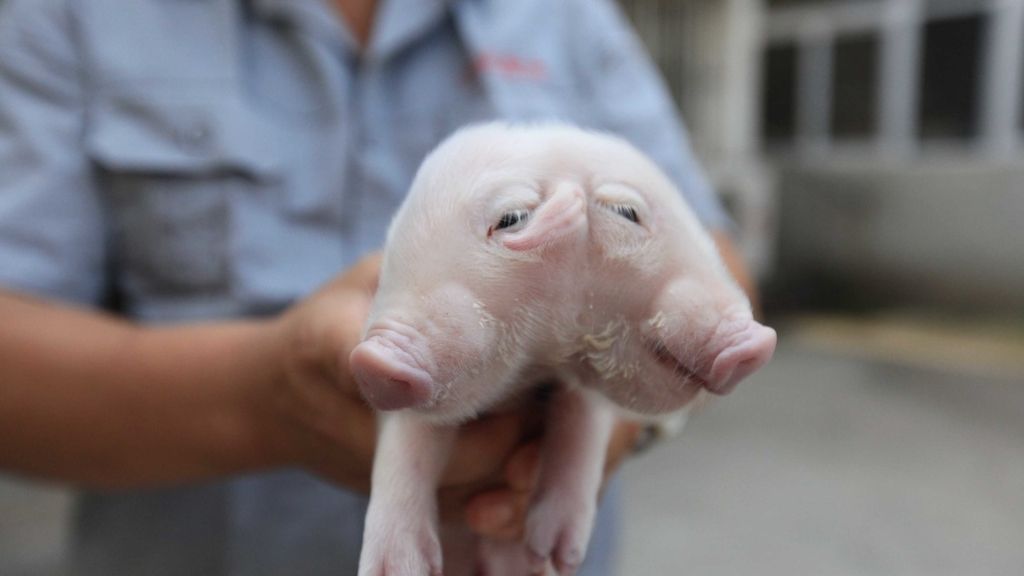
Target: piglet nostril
753, 350
387, 378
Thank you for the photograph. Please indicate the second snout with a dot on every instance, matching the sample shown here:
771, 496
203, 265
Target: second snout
747, 351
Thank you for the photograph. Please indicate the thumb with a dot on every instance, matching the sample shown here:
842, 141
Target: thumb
498, 514
333, 319
363, 276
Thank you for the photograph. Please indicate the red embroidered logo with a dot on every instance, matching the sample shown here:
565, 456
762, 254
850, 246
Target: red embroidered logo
511, 66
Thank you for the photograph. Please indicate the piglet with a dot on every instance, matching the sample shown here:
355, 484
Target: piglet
528, 254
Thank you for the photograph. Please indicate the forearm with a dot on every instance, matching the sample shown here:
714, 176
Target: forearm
94, 400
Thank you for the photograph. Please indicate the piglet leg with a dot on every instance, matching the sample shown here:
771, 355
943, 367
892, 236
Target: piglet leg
401, 533
561, 516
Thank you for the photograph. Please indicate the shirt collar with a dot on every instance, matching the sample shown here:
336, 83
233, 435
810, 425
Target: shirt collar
316, 15
397, 23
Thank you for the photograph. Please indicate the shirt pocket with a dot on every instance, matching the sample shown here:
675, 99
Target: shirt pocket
169, 166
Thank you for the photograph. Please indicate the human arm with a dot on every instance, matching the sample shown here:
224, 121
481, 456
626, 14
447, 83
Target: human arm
72, 380
96, 400
53, 245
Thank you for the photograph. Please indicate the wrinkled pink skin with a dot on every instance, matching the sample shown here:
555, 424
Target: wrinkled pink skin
642, 314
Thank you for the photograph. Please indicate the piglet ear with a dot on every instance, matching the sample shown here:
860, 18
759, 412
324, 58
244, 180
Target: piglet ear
561, 214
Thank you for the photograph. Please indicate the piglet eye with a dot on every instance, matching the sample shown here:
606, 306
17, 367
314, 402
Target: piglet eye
627, 212
512, 218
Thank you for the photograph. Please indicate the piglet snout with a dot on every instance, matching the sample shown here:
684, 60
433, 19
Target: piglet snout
748, 351
389, 377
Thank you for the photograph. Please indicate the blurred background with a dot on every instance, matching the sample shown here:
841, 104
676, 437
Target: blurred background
872, 153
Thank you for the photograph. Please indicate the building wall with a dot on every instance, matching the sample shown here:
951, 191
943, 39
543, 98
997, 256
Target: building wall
945, 233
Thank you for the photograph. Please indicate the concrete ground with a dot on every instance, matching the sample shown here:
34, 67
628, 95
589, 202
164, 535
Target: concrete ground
843, 457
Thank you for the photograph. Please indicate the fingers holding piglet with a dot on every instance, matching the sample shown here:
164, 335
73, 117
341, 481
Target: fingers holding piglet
500, 513
314, 415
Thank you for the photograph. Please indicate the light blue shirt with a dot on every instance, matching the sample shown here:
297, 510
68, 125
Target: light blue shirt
200, 159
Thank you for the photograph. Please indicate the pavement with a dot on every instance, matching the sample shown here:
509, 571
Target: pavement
841, 458
846, 456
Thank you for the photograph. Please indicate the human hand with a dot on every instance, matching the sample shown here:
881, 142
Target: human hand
500, 512
319, 419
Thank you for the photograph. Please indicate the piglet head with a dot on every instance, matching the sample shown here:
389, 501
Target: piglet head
540, 252
670, 322
476, 257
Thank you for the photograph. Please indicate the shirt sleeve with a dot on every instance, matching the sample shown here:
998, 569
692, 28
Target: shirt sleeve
52, 231
629, 98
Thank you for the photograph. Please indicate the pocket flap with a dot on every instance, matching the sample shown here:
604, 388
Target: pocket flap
179, 131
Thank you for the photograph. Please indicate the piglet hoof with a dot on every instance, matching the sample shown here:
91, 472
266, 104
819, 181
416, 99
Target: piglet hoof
558, 531
400, 548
